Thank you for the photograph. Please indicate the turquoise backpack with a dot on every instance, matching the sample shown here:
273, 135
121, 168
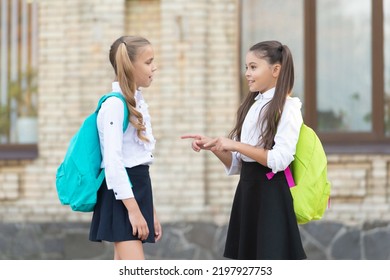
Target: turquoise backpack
307, 177
79, 176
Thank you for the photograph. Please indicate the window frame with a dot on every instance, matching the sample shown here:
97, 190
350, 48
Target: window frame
348, 142
16, 151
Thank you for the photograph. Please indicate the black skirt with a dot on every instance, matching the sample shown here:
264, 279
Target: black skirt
110, 220
262, 222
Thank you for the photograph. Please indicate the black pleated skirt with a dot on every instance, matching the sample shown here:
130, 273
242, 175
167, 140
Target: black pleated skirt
262, 222
110, 220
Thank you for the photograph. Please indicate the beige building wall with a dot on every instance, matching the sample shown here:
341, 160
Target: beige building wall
196, 90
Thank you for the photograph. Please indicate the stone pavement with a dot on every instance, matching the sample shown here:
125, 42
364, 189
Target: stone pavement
197, 241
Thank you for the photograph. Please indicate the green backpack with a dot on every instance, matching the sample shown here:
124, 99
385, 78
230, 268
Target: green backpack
307, 177
311, 192
79, 176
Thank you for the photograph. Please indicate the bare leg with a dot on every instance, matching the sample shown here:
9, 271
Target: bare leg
129, 250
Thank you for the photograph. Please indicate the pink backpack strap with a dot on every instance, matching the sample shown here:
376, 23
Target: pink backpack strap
287, 173
289, 177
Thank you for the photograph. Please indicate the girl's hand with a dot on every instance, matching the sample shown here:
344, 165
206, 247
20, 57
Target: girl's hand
157, 228
198, 142
221, 144
137, 220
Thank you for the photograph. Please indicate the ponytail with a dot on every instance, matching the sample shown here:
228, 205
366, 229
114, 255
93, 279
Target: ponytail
283, 88
122, 53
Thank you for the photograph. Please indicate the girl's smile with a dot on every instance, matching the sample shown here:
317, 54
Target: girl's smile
259, 73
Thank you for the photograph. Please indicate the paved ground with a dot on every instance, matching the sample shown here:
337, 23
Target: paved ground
197, 241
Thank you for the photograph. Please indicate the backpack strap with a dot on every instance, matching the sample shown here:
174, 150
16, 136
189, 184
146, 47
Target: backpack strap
121, 97
287, 173
289, 177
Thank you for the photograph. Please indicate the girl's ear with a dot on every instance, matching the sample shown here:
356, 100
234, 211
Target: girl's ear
276, 70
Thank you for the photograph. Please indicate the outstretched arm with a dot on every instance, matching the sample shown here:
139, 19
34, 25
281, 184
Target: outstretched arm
222, 144
199, 142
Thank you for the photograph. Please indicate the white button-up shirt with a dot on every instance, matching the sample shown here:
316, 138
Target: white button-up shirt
122, 149
286, 138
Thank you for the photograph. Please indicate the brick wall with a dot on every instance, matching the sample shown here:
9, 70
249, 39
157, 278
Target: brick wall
360, 188
196, 90
189, 95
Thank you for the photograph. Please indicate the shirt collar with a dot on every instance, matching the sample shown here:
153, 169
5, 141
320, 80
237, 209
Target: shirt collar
268, 94
116, 88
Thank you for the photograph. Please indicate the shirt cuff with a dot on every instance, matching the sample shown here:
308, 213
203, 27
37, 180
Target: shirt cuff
280, 163
123, 192
235, 167
120, 184
271, 162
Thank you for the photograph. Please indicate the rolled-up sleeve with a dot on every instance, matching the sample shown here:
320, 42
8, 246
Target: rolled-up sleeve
235, 167
286, 138
115, 171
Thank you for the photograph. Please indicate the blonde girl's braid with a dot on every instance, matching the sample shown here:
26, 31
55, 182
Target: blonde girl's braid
123, 52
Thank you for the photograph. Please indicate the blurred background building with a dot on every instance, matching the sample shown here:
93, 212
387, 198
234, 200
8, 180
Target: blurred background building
54, 67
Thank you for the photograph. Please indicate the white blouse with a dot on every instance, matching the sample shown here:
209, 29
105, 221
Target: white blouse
122, 149
286, 138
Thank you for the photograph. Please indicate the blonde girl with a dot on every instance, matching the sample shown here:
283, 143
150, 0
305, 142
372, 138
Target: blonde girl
124, 213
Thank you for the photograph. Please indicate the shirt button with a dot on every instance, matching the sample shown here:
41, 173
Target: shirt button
115, 193
151, 155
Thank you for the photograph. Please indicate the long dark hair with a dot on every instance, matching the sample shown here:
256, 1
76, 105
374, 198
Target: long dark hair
273, 52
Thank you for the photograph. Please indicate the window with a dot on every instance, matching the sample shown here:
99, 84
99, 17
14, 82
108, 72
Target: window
259, 23
342, 58
344, 66
18, 73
